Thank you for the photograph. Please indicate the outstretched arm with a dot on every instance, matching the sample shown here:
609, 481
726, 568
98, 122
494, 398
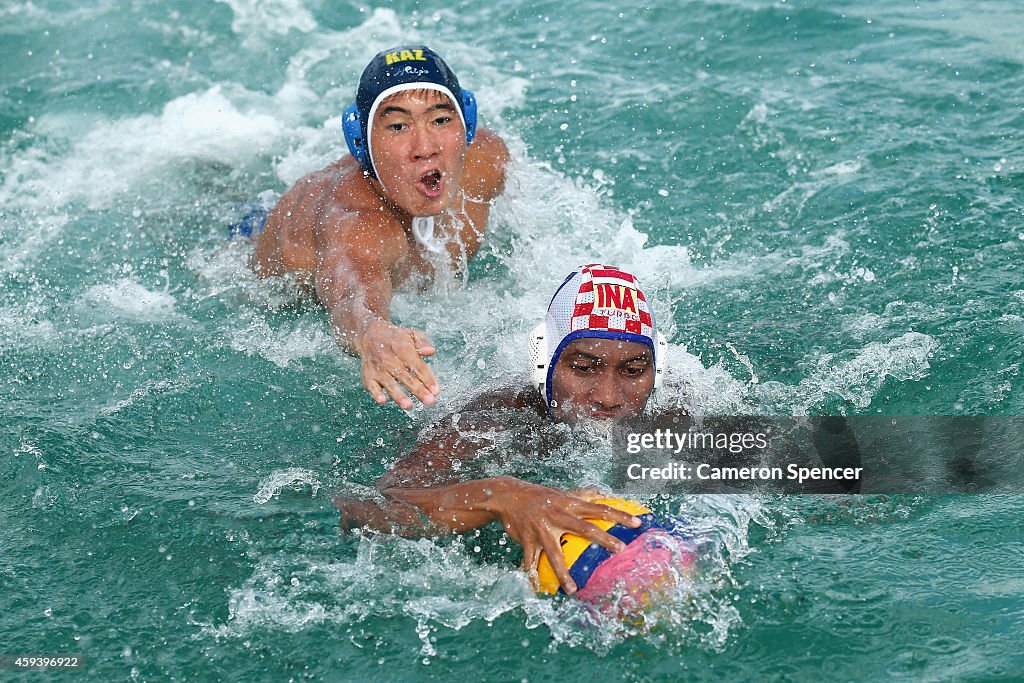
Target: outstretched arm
534, 516
421, 497
357, 258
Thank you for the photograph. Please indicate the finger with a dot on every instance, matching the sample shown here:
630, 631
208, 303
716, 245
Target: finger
531, 558
422, 343
610, 514
375, 390
413, 385
394, 390
594, 534
423, 347
554, 552
424, 375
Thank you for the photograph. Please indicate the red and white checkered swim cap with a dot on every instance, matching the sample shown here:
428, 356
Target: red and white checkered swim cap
595, 301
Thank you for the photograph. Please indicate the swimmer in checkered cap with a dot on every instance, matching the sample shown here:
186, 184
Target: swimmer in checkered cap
597, 356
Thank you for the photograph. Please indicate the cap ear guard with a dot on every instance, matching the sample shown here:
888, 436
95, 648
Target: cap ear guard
352, 127
660, 359
353, 130
469, 113
539, 357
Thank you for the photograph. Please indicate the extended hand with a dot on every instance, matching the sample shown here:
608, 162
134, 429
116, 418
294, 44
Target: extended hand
536, 517
393, 360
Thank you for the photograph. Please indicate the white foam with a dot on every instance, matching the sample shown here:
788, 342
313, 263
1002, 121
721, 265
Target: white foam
254, 18
20, 244
854, 375
26, 328
425, 587
284, 345
293, 477
128, 299
115, 156
149, 388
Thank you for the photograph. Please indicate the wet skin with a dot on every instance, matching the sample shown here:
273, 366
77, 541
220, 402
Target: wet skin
418, 148
349, 236
603, 379
597, 379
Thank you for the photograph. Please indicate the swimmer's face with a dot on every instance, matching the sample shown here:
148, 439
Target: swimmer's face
602, 379
418, 147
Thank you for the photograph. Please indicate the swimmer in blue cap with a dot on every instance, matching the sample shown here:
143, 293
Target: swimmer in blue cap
597, 357
417, 187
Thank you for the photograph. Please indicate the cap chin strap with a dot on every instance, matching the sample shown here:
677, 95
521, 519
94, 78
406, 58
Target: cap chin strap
540, 357
423, 231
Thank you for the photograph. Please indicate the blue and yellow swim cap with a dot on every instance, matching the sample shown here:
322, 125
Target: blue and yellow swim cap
395, 70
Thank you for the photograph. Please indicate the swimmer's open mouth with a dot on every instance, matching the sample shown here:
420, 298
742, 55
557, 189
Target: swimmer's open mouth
431, 183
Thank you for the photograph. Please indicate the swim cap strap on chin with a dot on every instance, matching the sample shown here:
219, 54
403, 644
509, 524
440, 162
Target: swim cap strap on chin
391, 71
596, 302
423, 231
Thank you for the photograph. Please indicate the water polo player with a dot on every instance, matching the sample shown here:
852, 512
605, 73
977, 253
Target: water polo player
421, 179
597, 356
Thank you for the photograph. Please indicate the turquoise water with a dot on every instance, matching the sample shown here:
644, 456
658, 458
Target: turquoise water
826, 200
